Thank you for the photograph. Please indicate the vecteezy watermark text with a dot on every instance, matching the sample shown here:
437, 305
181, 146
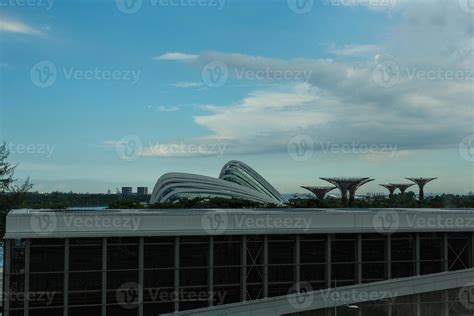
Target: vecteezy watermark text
42, 223
348, 296
133, 6
371, 3
131, 148
388, 222
46, 150
45, 73
184, 149
215, 222
128, 295
356, 148
45, 298
388, 73
216, 74
47, 4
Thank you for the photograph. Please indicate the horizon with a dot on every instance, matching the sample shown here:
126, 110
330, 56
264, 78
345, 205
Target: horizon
99, 95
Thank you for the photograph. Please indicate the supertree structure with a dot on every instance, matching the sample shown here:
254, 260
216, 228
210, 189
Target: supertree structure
421, 182
320, 191
390, 187
353, 189
347, 186
403, 186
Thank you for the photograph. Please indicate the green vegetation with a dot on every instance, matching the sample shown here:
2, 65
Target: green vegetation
11, 195
196, 203
407, 200
59, 200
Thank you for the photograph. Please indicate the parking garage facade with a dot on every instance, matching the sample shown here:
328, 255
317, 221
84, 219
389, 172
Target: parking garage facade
154, 275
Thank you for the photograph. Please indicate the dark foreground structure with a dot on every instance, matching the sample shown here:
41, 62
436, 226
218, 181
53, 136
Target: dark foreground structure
421, 182
264, 262
348, 186
320, 192
403, 187
390, 187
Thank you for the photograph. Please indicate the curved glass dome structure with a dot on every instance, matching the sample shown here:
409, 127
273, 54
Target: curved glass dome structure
241, 173
236, 180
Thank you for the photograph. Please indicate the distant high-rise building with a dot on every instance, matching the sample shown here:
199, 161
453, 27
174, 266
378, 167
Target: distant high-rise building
109, 192
127, 191
142, 190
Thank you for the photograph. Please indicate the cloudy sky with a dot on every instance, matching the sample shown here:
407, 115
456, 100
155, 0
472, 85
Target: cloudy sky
101, 94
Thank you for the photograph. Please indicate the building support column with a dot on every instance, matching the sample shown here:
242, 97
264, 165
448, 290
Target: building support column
445, 249
418, 305
445, 296
27, 277
388, 257
141, 271
265, 266
417, 255
243, 270
104, 276
328, 261
66, 278
210, 272
297, 264
6, 276
176, 273
472, 250
359, 258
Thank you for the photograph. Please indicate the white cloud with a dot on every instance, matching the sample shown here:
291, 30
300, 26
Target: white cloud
357, 50
187, 84
263, 113
176, 57
19, 27
162, 108
342, 103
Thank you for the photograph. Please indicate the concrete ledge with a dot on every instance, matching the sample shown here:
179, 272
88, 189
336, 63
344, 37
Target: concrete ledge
114, 223
328, 298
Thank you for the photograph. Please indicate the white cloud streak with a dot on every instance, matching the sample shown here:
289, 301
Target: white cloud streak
18, 27
177, 57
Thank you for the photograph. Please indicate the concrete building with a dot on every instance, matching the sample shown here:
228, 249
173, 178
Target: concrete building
142, 190
127, 190
239, 262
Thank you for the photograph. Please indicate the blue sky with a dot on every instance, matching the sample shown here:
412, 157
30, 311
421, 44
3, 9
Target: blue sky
302, 94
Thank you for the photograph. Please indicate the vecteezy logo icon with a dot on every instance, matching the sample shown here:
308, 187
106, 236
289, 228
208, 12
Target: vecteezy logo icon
43, 74
300, 6
467, 6
129, 148
128, 295
297, 295
386, 222
301, 147
215, 222
129, 6
386, 73
215, 74
43, 223
466, 296
466, 148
